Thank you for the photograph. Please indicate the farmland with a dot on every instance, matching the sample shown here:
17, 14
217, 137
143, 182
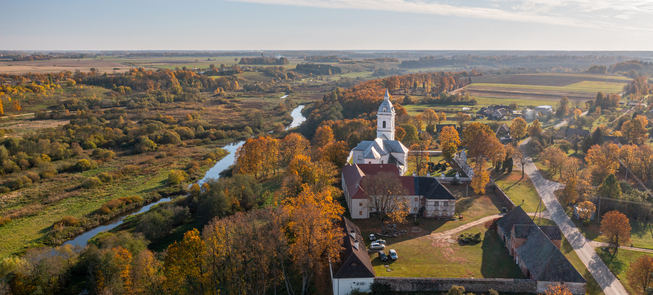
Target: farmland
550, 86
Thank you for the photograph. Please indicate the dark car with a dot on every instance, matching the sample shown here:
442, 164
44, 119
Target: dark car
382, 256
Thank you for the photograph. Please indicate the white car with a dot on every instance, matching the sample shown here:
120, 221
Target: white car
393, 254
376, 246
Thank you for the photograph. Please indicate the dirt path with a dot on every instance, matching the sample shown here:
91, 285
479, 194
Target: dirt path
602, 244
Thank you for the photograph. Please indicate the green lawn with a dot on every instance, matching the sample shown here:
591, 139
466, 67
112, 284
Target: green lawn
620, 263
520, 190
641, 234
426, 257
593, 287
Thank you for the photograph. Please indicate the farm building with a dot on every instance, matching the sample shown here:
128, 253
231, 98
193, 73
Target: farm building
536, 249
355, 270
545, 110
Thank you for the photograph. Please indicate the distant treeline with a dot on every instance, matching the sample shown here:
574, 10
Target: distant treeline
529, 61
325, 58
632, 68
318, 69
263, 61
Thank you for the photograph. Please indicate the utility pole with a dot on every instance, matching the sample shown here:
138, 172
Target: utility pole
598, 212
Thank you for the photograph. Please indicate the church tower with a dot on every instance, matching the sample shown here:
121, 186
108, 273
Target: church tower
385, 118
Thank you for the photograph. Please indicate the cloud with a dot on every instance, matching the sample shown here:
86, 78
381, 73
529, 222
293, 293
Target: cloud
524, 11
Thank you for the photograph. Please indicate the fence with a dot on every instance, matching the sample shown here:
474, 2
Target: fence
502, 195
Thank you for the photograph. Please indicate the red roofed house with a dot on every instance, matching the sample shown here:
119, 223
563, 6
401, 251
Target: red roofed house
426, 195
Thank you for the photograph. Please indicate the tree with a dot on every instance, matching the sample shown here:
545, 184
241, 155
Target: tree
456, 290
518, 128
483, 143
462, 118
519, 157
610, 188
535, 129
411, 134
450, 140
323, 136
635, 130
291, 146
604, 160
481, 178
557, 290
386, 196
640, 273
184, 266
616, 228
418, 159
2, 110
430, 117
400, 133
563, 108
553, 158
17, 106
442, 117
586, 210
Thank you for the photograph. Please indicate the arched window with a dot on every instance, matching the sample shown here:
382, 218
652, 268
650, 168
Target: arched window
383, 124
385, 109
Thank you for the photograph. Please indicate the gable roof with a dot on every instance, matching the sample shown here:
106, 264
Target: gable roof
431, 189
579, 132
514, 216
355, 262
352, 174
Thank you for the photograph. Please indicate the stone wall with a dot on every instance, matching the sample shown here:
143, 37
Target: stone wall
502, 195
471, 285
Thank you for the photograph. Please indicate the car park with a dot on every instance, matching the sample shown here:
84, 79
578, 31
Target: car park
393, 254
382, 256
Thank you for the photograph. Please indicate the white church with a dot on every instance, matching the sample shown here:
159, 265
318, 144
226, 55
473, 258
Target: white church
384, 149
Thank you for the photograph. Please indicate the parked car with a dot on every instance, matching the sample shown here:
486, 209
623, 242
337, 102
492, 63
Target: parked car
393, 254
382, 256
376, 246
380, 241
372, 237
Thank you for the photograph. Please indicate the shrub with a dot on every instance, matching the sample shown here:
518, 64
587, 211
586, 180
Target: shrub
91, 182
20, 182
176, 177
4, 220
87, 145
102, 154
33, 176
68, 221
470, 237
84, 165
105, 177
47, 171
4, 189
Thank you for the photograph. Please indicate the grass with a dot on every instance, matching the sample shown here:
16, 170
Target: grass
550, 79
620, 263
520, 190
426, 257
641, 234
584, 86
569, 252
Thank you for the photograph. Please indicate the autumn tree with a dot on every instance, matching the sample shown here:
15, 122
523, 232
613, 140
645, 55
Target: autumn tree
462, 118
610, 188
640, 273
570, 174
586, 209
2, 110
483, 144
450, 140
481, 178
563, 107
430, 117
323, 136
556, 289
386, 197
553, 158
635, 130
603, 159
17, 106
616, 228
418, 159
291, 146
400, 133
411, 134
441, 117
184, 265
518, 128
535, 129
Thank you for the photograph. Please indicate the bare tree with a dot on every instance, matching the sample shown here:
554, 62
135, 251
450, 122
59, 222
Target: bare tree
386, 196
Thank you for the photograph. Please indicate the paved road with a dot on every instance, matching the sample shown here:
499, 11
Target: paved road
584, 249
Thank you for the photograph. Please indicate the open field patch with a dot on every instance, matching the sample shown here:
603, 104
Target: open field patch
620, 263
549, 79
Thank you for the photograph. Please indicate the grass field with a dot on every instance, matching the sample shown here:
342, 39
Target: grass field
584, 86
549, 79
521, 191
427, 257
620, 263
592, 287
641, 234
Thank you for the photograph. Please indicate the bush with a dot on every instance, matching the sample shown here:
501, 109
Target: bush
47, 171
68, 221
4, 220
102, 154
33, 176
91, 182
105, 177
470, 237
87, 145
4, 189
176, 177
84, 165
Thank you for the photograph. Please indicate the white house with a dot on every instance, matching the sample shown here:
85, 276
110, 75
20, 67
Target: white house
425, 195
384, 149
355, 270
545, 110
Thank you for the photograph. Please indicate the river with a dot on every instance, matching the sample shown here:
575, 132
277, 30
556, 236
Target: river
214, 172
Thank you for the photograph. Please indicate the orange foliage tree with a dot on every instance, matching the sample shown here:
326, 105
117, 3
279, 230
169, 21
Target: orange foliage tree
616, 228
639, 273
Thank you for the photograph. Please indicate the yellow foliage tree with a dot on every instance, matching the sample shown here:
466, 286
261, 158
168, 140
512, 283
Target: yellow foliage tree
518, 127
450, 140
481, 178
184, 264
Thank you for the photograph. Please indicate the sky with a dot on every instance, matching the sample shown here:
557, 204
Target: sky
327, 25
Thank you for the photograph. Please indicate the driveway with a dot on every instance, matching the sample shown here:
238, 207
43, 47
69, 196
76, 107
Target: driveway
584, 249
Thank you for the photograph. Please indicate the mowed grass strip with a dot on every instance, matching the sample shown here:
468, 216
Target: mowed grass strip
429, 257
584, 86
520, 190
620, 263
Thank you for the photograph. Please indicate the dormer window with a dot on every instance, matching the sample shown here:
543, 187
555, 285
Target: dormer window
385, 110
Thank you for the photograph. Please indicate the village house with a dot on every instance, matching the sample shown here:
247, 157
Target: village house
384, 149
544, 110
355, 268
536, 249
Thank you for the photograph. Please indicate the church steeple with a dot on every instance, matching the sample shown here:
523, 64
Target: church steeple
385, 118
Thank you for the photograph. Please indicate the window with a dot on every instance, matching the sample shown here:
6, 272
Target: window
360, 157
360, 213
415, 199
360, 204
383, 124
385, 109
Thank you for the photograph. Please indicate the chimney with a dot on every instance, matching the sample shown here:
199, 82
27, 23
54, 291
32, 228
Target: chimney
428, 174
356, 244
414, 174
352, 233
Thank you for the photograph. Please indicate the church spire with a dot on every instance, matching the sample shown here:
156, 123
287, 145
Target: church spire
387, 94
